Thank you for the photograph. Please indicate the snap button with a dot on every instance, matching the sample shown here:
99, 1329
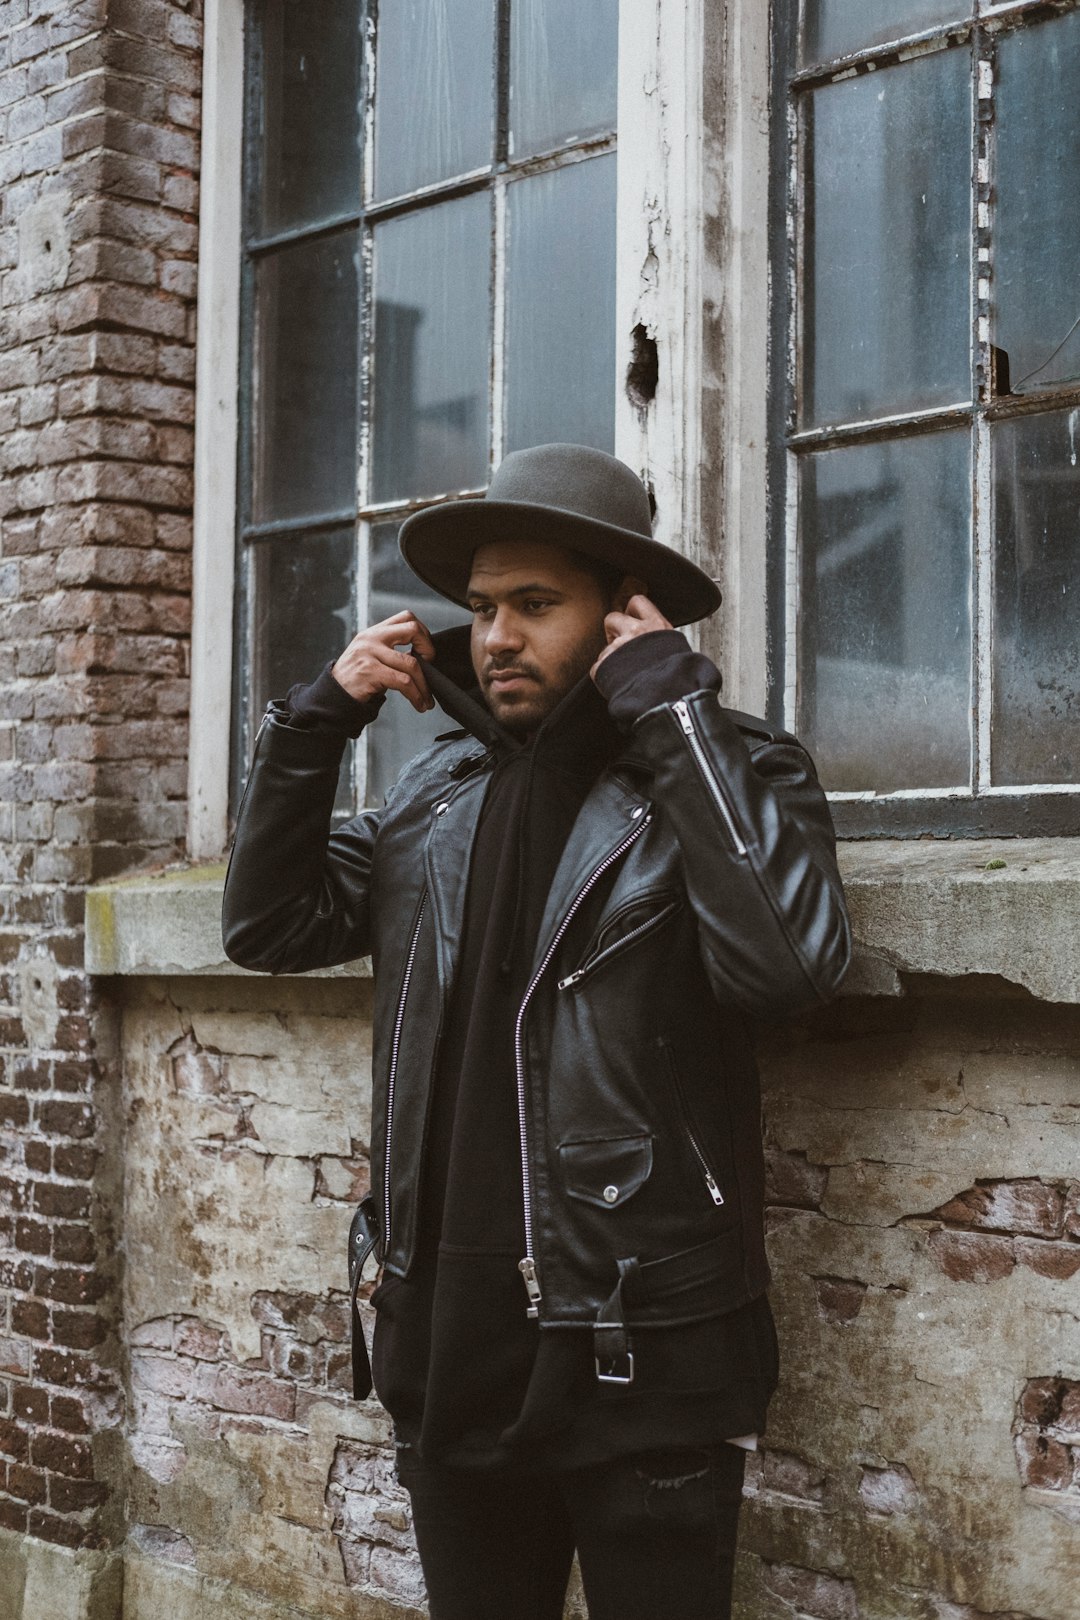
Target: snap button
441, 809
639, 810
610, 1194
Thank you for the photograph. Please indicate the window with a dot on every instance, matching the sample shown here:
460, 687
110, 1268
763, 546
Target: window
428, 282
925, 559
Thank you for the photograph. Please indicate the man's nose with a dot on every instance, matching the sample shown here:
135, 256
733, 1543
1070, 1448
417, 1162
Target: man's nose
503, 634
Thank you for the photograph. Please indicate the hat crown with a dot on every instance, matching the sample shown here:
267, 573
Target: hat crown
575, 478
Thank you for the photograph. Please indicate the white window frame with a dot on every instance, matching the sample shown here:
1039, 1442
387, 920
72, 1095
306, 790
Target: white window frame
691, 271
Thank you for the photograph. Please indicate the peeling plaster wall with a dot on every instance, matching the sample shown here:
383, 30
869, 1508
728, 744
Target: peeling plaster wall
923, 1455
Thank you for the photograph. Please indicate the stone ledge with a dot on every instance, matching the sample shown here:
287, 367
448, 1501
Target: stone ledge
1008, 907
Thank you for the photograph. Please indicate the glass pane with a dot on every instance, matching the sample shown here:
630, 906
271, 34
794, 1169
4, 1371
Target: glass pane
304, 381
303, 614
310, 83
432, 350
560, 308
887, 248
885, 651
400, 732
835, 27
1036, 734
434, 92
1037, 253
563, 71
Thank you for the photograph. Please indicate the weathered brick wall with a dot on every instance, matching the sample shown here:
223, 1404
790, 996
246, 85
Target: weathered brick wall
921, 1456
98, 159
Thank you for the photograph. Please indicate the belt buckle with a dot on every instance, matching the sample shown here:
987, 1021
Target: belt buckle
613, 1377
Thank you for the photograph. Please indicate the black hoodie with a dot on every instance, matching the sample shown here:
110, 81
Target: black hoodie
468, 1380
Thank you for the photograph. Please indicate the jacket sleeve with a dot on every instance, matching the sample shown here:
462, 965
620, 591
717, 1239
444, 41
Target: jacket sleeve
296, 894
759, 853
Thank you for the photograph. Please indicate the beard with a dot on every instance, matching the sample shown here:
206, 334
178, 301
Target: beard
523, 710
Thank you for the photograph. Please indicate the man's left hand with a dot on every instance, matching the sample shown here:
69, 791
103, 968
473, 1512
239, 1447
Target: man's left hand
638, 618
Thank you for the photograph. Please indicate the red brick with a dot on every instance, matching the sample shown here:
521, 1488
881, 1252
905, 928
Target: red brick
13, 1515
1044, 1463
74, 1244
971, 1256
28, 1484
30, 1317
14, 1440
78, 1330
29, 1403
60, 1454
33, 1237
1027, 1205
68, 1414
69, 1286
65, 1532
72, 1495
792, 1179
1061, 1260
65, 1118
56, 1198
255, 1393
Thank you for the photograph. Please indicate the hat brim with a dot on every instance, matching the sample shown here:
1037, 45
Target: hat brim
438, 544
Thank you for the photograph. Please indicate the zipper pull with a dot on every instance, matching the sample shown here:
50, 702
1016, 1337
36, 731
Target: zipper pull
571, 978
527, 1267
714, 1191
683, 711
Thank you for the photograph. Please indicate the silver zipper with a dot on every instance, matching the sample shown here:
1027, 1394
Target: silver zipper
699, 1153
527, 1266
395, 1047
712, 781
611, 950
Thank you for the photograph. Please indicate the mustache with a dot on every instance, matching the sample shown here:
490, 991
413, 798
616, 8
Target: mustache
495, 668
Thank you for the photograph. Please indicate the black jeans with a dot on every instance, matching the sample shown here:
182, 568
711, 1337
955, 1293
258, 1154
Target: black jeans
655, 1534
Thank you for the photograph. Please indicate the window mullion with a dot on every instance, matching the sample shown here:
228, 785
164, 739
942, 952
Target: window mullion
982, 670
498, 336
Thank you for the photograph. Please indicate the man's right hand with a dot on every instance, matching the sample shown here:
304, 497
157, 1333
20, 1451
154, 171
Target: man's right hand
371, 664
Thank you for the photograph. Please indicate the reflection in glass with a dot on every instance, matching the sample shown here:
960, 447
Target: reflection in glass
432, 350
563, 71
835, 27
310, 85
302, 616
1036, 728
434, 91
889, 188
400, 732
1037, 255
560, 304
884, 667
304, 452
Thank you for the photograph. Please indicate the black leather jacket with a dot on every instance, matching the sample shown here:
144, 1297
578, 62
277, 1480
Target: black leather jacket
639, 1111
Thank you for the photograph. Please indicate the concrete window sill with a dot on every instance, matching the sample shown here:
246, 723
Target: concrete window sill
953, 909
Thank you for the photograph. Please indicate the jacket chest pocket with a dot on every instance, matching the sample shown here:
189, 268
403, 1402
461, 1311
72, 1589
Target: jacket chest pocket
623, 928
606, 1171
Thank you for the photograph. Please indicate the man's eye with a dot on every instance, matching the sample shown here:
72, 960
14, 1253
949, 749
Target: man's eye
536, 604
483, 612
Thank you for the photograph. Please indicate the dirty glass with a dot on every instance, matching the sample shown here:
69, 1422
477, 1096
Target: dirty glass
887, 313
835, 27
303, 615
560, 307
304, 379
310, 87
400, 732
1036, 734
434, 91
885, 584
1037, 254
563, 72
432, 350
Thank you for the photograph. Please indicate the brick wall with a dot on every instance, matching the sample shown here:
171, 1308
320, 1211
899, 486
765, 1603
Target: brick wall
98, 163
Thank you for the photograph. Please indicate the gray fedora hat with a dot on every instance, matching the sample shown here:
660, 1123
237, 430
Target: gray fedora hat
567, 495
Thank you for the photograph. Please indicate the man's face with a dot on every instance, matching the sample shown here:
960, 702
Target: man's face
538, 627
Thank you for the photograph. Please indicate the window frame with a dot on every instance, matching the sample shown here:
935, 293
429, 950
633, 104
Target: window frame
700, 449
987, 810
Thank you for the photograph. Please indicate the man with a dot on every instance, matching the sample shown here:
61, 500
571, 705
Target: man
572, 904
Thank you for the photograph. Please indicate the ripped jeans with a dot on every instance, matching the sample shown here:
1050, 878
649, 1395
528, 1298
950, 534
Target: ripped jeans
654, 1534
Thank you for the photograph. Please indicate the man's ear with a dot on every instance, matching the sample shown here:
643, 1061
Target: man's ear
630, 585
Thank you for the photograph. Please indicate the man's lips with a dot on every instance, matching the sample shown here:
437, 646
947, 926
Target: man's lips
504, 679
